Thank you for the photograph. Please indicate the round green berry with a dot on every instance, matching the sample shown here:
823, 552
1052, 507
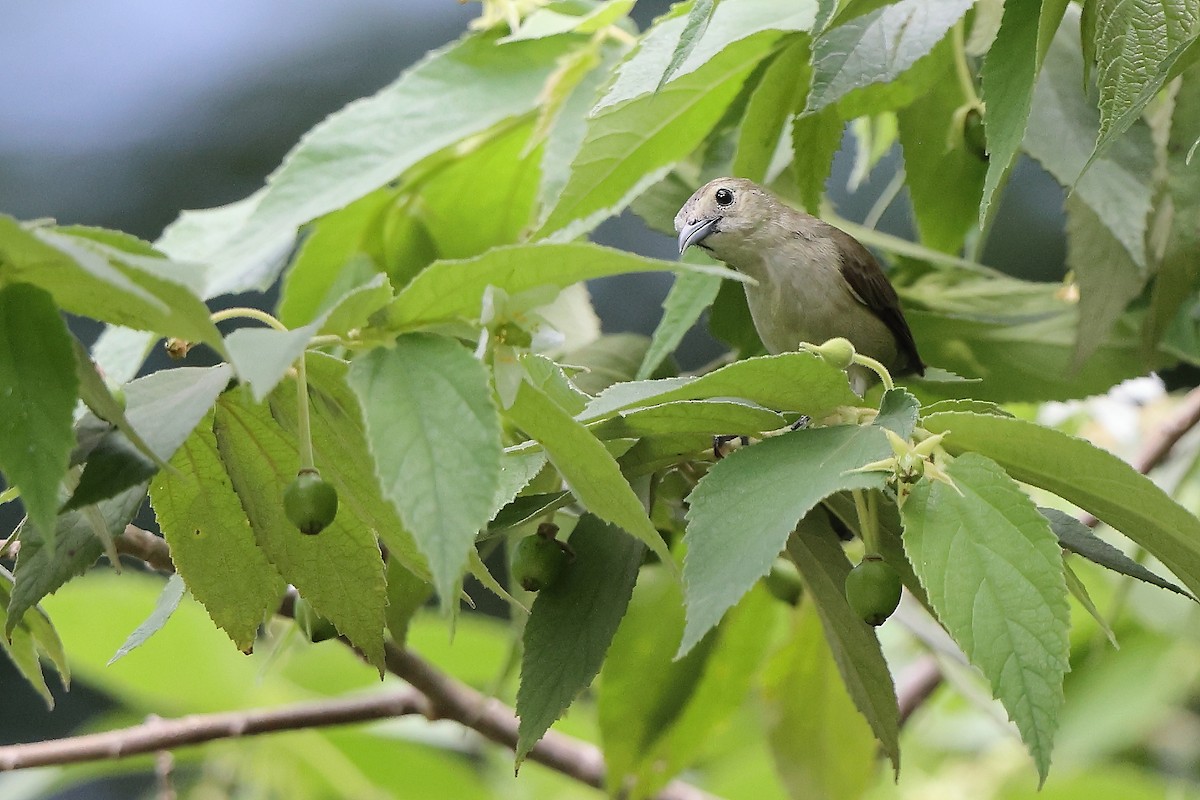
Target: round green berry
838, 351
315, 627
310, 502
538, 562
873, 589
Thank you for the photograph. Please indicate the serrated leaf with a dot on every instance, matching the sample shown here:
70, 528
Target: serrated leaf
1083, 474
1137, 44
818, 741
213, 546
690, 295
38, 392
817, 553
630, 145
707, 417
742, 511
406, 594
877, 47
455, 289
261, 356
1109, 279
41, 570
435, 437
164, 607
1062, 124
572, 624
1008, 76
698, 18
779, 94
1073, 535
785, 382
461, 90
339, 442
816, 138
339, 572
992, 569
589, 470
95, 394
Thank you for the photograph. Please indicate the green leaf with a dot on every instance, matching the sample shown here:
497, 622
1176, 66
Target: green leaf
1008, 76
26, 642
817, 553
878, 47
706, 417
167, 602
39, 391
1109, 279
690, 295
461, 90
698, 18
339, 442
340, 572
1073, 535
1083, 474
1137, 44
779, 94
550, 22
1178, 270
454, 289
435, 437
1063, 123
634, 712
261, 356
212, 544
96, 395
589, 470
630, 145
742, 511
572, 624
785, 382
816, 138
944, 179
354, 308
730, 320
994, 575
819, 743
406, 594
41, 570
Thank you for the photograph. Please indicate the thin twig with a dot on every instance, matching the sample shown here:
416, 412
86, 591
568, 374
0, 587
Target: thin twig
145, 546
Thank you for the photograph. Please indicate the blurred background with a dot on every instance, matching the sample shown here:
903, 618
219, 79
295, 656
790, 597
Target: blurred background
121, 113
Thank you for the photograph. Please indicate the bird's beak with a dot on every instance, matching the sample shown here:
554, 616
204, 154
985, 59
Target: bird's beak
694, 231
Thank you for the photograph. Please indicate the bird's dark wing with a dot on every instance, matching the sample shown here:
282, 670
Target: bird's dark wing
864, 275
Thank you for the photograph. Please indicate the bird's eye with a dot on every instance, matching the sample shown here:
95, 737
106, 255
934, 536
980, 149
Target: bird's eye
724, 197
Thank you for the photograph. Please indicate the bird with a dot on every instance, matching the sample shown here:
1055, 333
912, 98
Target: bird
812, 281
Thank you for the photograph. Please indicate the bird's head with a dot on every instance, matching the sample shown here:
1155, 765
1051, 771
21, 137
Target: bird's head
723, 214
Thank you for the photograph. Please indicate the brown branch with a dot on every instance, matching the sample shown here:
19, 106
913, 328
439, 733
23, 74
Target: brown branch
164, 734
926, 676
145, 546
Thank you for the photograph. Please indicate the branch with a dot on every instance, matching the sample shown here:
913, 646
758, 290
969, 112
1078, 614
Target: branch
926, 677
164, 734
145, 546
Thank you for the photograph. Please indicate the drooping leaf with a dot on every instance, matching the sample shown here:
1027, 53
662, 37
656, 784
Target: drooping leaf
339, 572
815, 140
30, 639
819, 742
1073, 535
779, 94
168, 601
1083, 474
992, 569
406, 594
550, 22
1062, 124
1009, 72
213, 546
817, 553
690, 295
698, 18
589, 470
261, 356
572, 624
454, 289
742, 511
877, 47
1136, 46
461, 90
708, 417
434, 434
38, 392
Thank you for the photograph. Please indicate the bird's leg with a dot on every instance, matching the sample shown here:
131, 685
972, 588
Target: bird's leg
725, 444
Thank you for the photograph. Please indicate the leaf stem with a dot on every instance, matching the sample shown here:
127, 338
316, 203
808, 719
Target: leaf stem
876, 367
965, 80
243, 312
303, 421
866, 521
886, 198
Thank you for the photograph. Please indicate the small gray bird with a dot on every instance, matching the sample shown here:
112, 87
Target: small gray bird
815, 281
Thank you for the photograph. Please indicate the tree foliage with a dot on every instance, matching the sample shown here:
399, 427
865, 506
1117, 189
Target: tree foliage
434, 355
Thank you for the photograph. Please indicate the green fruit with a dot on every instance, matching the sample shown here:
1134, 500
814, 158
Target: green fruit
974, 134
839, 352
873, 589
309, 502
315, 627
783, 581
538, 562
